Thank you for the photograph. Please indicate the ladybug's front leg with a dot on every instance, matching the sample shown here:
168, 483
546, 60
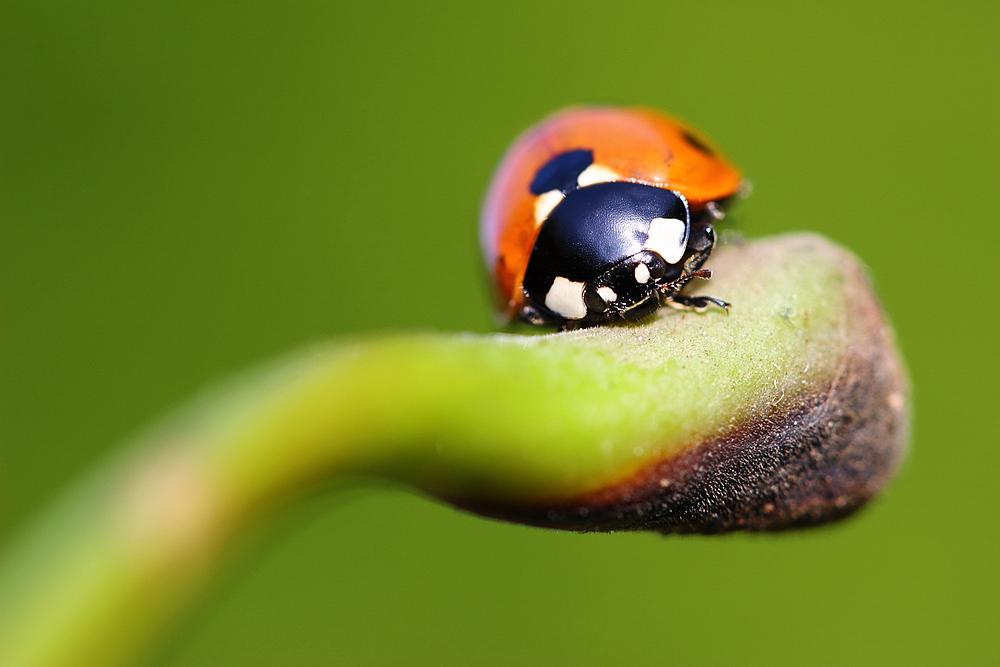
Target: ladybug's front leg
701, 242
700, 245
698, 304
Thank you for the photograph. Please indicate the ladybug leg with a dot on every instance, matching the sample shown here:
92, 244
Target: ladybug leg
532, 315
700, 243
698, 304
572, 325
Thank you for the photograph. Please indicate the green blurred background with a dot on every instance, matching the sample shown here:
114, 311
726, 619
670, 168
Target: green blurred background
189, 189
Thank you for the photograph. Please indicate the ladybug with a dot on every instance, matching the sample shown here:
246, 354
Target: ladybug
599, 214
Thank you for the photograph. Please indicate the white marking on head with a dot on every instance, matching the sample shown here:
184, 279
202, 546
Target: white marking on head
607, 294
595, 173
668, 237
545, 203
641, 273
565, 298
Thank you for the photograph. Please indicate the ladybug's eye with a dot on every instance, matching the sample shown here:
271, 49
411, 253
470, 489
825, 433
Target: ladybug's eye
595, 299
655, 265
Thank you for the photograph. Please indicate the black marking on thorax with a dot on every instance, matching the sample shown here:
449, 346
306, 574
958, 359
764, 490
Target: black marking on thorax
595, 227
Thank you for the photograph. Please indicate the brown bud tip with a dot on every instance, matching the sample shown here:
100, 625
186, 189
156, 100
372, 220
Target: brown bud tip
815, 457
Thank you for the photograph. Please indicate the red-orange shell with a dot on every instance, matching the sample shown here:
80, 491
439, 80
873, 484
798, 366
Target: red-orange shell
639, 144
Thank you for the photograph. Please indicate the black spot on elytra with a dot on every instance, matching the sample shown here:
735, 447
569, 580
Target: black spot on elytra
561, 172
697, 143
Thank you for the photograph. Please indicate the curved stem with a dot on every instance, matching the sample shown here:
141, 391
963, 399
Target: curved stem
495, 418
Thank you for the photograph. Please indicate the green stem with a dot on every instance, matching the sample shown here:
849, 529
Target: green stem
494, 418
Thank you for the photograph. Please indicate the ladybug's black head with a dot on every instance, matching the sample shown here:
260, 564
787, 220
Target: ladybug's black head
628, 289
